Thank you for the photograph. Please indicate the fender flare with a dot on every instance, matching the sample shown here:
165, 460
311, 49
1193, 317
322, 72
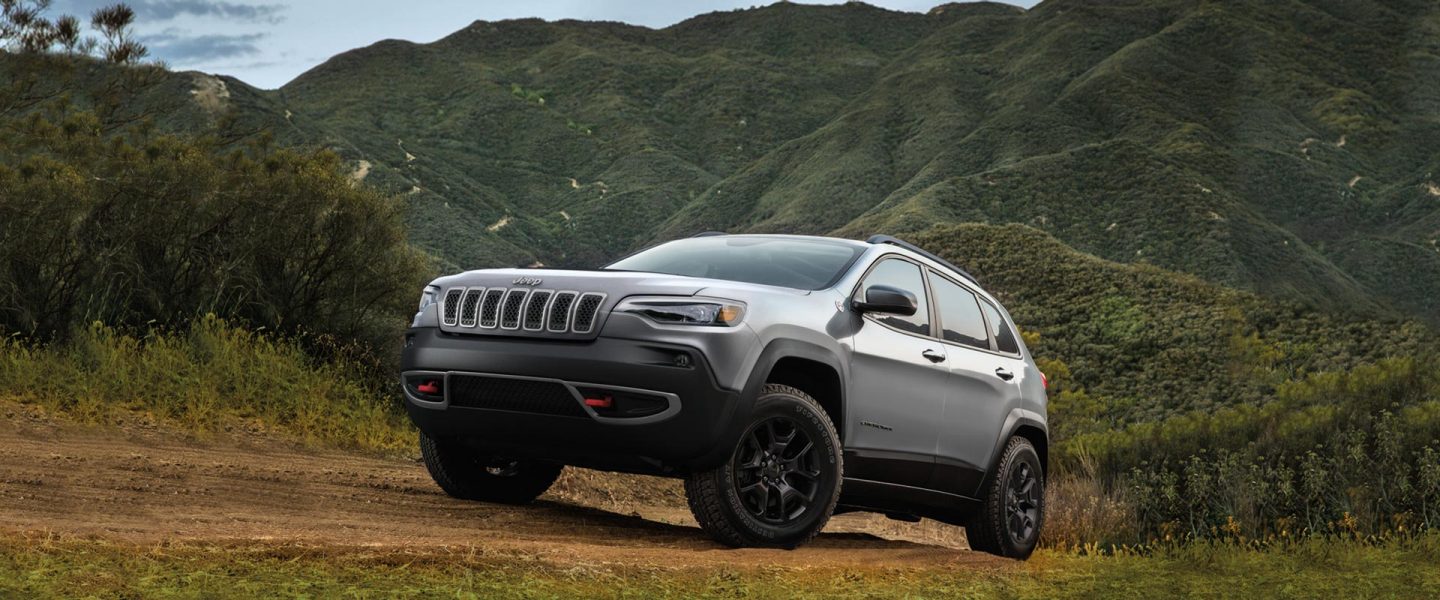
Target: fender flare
777, 350
771, 355
1020, 417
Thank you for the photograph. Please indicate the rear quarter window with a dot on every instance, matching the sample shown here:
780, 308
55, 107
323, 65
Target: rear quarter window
1004, 335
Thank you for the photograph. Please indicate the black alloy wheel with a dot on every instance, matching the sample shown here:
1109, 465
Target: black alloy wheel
776, 470
1022, 504
1011, 514
780, 484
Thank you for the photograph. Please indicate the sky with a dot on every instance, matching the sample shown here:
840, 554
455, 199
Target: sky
268, 42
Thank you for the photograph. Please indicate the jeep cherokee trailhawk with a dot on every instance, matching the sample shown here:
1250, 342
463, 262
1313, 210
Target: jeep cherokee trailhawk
785, 378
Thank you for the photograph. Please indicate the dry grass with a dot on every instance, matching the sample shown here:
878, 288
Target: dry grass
51, 567
212, 378
1081, 513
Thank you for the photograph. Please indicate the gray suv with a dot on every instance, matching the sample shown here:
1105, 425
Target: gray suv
785, 378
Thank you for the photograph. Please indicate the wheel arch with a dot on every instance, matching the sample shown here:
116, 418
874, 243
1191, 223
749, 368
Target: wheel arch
1028, 425
808, 367
813, 356
1039, 440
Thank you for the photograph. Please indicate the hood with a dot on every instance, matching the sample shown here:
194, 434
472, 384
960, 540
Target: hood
612, 283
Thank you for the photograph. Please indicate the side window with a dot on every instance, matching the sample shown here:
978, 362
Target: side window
1004, 336
906, 276
960, 318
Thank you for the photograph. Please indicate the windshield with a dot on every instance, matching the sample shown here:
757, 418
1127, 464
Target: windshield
807, 264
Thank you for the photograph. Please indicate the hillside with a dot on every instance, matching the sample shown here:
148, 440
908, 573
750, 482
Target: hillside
1280, 147
1134, 343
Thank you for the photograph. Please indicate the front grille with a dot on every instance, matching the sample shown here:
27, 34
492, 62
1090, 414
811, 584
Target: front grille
522, 308
468, 305
510, 311
516, 395
585, 311
452, 306
560, 312
490, 308
535, 310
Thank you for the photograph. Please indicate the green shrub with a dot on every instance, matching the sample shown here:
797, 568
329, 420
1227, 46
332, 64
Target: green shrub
209, 377
147, 228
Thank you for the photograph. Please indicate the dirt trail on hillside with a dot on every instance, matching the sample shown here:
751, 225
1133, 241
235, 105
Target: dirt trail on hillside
144, 486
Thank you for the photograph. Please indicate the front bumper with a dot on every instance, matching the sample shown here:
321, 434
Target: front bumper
697, 433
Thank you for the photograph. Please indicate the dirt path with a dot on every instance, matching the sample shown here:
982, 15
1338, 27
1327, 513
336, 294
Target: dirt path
145, 486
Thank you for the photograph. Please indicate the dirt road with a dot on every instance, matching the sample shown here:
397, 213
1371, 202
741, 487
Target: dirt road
140, 484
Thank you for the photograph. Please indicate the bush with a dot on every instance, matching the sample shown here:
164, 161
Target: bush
208, 377
1350, 454
143, 228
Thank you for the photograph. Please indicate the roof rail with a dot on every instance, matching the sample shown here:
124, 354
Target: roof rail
894, 241
709, 234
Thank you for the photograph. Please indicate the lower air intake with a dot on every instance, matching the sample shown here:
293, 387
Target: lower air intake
515, 395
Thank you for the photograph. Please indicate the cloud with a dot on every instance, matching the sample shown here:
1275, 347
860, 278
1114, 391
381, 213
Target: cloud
177, 47
165, 10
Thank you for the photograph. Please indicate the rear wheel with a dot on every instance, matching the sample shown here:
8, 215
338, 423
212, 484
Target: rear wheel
781, 483
468, 475
1009, 522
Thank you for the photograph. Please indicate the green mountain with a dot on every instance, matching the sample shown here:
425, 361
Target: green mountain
1281, 147
1128, 343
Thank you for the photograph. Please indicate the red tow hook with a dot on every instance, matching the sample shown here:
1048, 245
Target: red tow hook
431, 387
600, 402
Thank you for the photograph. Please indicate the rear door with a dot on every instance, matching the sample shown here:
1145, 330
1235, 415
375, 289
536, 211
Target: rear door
981, 390
897, 386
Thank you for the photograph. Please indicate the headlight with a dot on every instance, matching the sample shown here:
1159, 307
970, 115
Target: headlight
685, 311
430, 296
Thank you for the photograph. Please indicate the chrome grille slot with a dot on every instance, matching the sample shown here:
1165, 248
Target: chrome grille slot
559, 320
490, 308
535, 309
511, 309
469, 306
586, 309
452, 306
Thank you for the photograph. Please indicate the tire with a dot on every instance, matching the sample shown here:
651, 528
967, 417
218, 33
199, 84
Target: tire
469, 476
1013, 511
755, 498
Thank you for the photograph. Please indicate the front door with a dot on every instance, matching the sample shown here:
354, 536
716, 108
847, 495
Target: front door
897, 387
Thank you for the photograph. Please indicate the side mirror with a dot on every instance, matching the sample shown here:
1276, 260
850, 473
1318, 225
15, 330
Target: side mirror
886, 299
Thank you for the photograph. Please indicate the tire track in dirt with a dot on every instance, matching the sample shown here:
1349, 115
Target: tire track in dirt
146, 486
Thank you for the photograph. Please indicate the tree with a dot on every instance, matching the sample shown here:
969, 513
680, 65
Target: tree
25, 29
113, 22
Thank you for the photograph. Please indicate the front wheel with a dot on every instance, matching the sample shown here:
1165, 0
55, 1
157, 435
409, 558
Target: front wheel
468, 475
782, 480
1008, 524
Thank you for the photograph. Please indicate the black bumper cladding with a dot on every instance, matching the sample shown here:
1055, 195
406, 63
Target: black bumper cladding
608, 403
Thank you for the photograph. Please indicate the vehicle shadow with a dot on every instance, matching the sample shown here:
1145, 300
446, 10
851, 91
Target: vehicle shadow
610, 527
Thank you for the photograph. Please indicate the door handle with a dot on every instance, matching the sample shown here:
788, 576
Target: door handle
1003, 374
933, 356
